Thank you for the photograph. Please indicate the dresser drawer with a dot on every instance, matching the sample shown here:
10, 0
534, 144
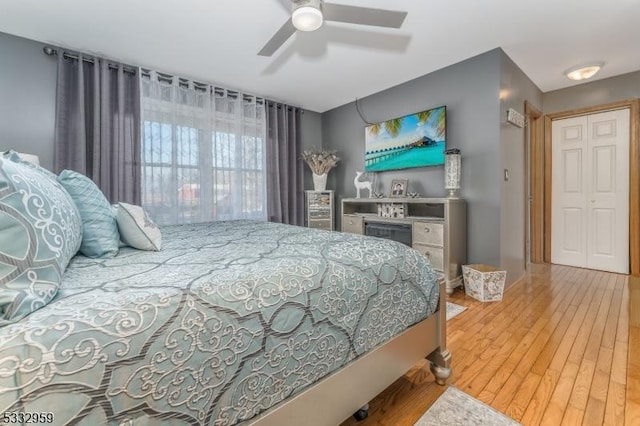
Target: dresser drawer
434, 254
428, 233
353, 224
316, 213
320, 224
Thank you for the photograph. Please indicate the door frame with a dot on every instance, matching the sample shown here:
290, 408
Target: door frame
544, 237
534, 190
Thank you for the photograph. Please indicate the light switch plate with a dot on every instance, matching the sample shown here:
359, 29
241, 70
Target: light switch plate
515, 118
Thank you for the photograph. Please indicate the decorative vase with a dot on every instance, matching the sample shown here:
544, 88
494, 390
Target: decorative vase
319, 182
452, 164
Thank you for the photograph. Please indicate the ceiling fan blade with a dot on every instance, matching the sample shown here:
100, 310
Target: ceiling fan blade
278, 39
286, 4
363, 15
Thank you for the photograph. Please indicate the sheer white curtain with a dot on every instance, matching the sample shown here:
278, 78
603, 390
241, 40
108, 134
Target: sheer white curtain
203, 152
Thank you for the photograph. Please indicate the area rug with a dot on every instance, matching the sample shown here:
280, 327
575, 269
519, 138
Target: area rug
456, 408
453, 310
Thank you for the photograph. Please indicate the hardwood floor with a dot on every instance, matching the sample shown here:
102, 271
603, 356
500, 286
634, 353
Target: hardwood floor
562, 348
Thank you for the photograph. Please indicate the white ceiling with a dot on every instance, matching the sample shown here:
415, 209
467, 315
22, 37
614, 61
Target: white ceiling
217, 41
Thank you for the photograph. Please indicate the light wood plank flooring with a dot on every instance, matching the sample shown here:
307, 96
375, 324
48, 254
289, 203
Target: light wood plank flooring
562, 348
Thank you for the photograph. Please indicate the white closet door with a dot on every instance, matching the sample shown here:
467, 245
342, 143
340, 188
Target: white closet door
590, 191
608, 200
569, 193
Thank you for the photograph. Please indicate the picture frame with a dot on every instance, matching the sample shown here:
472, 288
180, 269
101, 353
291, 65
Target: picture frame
398, 188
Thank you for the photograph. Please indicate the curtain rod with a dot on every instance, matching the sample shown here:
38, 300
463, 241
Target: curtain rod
280, 105
203, 87
52, 52
146, 73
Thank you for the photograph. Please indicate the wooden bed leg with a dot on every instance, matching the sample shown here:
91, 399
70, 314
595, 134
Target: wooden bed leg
440, 365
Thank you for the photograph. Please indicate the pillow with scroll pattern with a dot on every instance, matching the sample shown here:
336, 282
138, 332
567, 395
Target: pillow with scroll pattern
16, 158
40, 231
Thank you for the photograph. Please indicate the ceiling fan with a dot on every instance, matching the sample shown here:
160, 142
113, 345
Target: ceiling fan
308, 15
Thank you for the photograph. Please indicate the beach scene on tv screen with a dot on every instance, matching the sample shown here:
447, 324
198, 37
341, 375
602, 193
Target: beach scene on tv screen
416, 140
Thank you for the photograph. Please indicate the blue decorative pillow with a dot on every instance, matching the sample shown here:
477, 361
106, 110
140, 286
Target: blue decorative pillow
40, 231
100, 231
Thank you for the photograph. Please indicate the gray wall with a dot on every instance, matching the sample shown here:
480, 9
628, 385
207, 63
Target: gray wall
311, 137
515, 88
470, 91
619, 88
27, 98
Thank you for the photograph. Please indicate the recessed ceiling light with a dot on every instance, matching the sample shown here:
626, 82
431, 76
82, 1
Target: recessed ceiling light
583, 72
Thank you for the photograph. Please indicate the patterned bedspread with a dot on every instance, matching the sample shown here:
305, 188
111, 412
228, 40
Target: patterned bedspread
229, 319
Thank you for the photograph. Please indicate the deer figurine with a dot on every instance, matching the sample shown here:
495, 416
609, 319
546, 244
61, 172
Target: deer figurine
365, 184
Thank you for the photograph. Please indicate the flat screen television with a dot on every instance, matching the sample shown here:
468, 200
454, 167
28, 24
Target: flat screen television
416, 140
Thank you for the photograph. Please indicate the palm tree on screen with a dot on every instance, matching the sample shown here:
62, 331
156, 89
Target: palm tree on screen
374, 129
437, 118
393, 126
424, 116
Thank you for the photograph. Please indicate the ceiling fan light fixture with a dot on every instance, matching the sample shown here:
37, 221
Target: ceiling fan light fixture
309, 15
583, 72
307, 18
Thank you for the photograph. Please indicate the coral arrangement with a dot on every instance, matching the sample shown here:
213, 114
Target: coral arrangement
320, 161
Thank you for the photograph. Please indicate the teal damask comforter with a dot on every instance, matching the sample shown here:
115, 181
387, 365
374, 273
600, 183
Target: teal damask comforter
229, 319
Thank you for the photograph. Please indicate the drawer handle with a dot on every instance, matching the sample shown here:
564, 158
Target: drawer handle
427, 229
428, 254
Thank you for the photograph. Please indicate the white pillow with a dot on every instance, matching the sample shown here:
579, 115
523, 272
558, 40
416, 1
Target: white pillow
137, 229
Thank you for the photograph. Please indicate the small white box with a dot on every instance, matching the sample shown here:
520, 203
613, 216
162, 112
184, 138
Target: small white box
392, 210
484, 282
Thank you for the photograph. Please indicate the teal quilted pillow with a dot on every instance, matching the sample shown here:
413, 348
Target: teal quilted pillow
100, 230
40, 231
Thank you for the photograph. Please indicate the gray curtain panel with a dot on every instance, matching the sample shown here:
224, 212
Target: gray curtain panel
285, 197
97, 130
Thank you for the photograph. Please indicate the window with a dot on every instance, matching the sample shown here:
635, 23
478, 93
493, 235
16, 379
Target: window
203, 156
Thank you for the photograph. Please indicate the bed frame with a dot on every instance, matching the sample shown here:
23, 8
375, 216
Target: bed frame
343, 393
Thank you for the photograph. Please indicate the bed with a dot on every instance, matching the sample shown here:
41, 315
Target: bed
237, 322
